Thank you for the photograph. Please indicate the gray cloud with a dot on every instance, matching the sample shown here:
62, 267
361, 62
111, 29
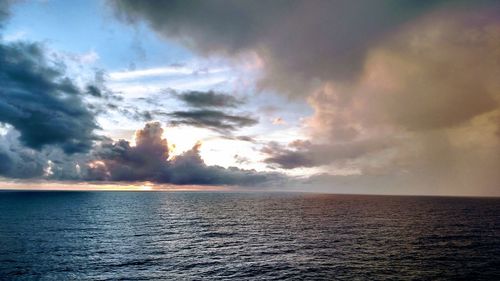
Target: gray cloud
21, 162
5, 10
209, 99
299, 40
94, 91
306, 154
208, 110
42, 103
212, 119
18, 161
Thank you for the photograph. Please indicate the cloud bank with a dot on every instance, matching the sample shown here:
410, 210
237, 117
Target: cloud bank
150, 160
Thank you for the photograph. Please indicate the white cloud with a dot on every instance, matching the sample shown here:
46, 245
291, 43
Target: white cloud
151, 72
89, 57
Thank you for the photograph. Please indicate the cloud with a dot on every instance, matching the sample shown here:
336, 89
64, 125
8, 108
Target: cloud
123, 162
211, 119
94, 91
437, 75
306, 154
404, 92
17, 161
208, 111
209, 99
299, 41
4, 10
436, 81
151, 72
189, 168
50, 132
241, 159
21, 162
149, 160
429, 164
45, 121
43, 104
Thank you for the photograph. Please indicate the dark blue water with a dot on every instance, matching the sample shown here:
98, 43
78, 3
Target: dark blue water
246, 236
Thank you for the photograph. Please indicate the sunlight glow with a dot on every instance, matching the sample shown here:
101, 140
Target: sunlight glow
105, 186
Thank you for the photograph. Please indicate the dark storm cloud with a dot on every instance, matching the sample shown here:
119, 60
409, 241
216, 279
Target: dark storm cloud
42, 103
299, 41
149, 160
211, 119
209, 99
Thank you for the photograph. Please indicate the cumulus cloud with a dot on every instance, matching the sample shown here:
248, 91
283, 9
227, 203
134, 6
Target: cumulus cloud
121, 161
149, 160
189, 168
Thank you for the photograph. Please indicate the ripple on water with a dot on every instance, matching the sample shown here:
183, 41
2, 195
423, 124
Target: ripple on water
246, 236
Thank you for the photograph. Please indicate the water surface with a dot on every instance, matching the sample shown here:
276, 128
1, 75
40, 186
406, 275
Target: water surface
246, 236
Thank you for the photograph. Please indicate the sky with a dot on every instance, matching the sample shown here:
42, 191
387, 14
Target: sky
372, 97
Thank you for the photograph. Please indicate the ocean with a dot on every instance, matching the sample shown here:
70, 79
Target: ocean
246, 236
